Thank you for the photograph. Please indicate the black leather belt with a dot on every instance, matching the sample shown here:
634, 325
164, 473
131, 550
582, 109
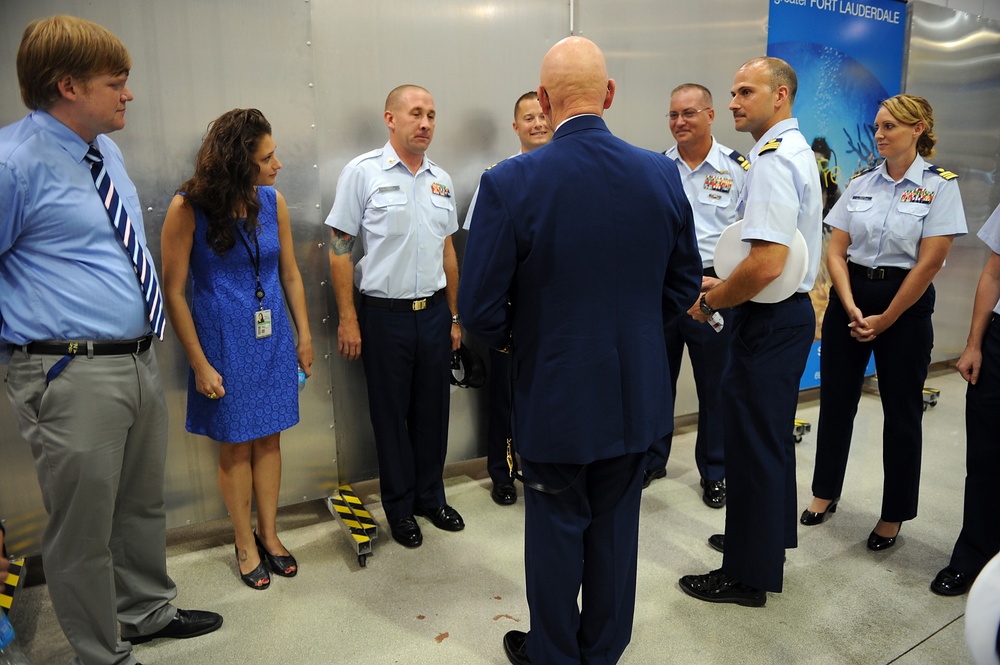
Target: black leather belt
710, 272
402, 305
876, 273
86, 348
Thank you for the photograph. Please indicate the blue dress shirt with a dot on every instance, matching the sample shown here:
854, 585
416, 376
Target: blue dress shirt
64, 273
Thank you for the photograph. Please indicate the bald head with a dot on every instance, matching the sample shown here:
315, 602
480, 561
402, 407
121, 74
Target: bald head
574, 80
395, 98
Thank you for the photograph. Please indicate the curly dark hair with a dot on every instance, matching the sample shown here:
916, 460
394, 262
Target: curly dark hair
225, 176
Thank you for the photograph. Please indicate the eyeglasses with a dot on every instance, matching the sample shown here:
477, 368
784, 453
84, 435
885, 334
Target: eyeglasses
687, 114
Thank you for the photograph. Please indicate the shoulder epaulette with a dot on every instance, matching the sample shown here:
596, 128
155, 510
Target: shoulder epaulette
770, 146
500, 162
943, 172
864, 171
740, 159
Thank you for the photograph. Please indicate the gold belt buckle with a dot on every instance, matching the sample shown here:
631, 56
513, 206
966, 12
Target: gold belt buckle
419, 304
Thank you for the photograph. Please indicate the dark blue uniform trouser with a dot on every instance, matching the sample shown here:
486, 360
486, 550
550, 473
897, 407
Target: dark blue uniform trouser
902, 354
768, 354
980, 537
586, 537
709, 353
499, 422
407, 360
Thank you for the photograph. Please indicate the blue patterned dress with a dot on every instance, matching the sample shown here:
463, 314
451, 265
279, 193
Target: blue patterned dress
260, 375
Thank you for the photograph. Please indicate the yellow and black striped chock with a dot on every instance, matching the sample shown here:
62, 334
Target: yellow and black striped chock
930, 397
356, 521
799, 429
9, 588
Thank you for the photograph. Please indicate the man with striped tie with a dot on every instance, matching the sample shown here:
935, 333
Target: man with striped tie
80, 306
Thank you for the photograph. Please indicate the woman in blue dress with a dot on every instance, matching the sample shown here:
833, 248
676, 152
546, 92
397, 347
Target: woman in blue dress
231, 230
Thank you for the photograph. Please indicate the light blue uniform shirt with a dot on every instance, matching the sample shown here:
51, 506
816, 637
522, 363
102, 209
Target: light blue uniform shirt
887, 220
990, 234
64, 273
402, 220
782, 193
712, 189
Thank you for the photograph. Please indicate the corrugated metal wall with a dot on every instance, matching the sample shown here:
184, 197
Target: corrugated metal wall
320, 70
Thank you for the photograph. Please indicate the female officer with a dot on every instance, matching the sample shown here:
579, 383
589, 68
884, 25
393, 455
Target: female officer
892, 230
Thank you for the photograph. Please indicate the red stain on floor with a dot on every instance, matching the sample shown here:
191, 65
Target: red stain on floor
441, 638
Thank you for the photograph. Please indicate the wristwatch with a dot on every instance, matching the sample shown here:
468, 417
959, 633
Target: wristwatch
455, 319
705, 307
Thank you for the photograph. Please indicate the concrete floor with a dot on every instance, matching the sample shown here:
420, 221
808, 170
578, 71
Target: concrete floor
452, 600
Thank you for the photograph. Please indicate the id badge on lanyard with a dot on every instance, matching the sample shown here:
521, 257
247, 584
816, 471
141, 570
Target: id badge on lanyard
262, 317
262, 323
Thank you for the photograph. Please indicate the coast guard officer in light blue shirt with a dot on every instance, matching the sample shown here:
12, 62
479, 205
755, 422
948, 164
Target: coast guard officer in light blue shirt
402, 207
713, 177
771, 341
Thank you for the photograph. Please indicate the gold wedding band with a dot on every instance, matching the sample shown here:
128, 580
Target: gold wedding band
213, 396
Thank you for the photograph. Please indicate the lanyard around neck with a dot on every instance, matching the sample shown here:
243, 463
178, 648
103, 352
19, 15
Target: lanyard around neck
255, 260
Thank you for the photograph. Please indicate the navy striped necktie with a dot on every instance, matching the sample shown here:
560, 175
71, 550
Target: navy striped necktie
123, 225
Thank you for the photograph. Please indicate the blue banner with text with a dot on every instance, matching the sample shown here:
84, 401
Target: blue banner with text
848, 57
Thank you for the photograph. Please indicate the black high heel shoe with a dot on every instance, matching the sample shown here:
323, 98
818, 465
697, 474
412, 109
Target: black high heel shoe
253, 578
877, 543
810, 518
286, 566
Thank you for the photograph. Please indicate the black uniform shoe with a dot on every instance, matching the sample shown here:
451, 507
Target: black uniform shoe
649, 476
503, 494
717, 587
515, 646
714, 495
185, 624
406, 532
717, 542
444, 517
951, 582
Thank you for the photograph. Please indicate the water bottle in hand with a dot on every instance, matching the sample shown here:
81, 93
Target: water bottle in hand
10, 653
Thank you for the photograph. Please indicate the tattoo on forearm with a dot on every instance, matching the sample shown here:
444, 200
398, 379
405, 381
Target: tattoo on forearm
341, 243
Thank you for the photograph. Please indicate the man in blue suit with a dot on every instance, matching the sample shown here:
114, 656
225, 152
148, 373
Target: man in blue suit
577, 253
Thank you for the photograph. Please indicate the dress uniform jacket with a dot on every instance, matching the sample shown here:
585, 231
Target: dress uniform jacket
592, 241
